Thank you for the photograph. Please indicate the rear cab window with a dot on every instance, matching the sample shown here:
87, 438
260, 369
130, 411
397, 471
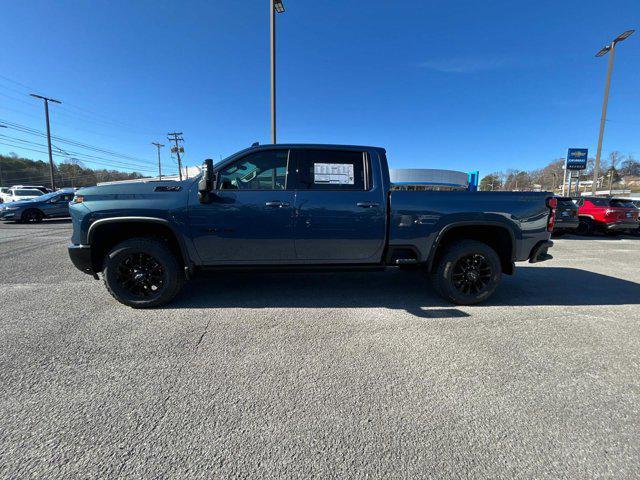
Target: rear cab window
317, 169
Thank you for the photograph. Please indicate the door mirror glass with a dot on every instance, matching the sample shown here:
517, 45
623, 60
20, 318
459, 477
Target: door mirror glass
207, 181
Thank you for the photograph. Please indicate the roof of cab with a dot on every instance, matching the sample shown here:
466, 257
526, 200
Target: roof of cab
314, 145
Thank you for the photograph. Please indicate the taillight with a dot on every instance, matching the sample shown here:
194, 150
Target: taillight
552, 204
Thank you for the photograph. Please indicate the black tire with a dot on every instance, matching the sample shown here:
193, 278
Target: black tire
467, 273
585, 227
32, 216
142, 273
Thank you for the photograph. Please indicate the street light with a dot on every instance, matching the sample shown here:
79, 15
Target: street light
276, 7
603, 51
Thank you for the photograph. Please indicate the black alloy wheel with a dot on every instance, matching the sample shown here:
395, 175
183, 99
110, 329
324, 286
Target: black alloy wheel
467, 272
140, 274
471, 274
143, 272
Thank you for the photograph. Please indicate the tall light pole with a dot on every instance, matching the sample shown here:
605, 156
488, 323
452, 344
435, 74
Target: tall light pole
1, 126
46, 113
159, 146
275, 7
603, 51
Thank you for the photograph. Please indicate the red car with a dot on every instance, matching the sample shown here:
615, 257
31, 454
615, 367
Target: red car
608, 215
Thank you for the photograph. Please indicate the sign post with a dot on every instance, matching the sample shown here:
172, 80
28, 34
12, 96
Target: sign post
576, 160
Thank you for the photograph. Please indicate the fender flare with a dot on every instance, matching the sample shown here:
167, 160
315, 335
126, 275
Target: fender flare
470, 223
140, 219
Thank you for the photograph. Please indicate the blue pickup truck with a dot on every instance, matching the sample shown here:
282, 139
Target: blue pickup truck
302, 207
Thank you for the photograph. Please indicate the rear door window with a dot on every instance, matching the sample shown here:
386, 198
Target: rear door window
331, 170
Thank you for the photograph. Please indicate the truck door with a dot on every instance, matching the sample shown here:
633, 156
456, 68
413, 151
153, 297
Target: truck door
340, 207
250, 219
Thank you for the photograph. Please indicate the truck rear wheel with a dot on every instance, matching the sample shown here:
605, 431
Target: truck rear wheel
468, 272
142, 273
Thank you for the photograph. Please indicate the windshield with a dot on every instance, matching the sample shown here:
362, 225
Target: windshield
27, 193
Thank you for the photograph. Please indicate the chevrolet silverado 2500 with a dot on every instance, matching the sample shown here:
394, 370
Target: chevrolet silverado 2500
302, 207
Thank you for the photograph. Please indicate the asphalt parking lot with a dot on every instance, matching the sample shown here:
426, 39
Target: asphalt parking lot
345, 375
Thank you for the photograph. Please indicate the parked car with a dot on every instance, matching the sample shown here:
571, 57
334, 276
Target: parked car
51, 205
302, 207
607, 215
635, 203
17, 194
4, 194
37, 187
566, 217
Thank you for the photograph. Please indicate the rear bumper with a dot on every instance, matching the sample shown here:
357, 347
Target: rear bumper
566, 224
539, 253
620, 226
81, 257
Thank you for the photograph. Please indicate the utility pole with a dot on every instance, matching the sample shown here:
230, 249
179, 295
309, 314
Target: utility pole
46, 113
175, 137
276, 6
158, 145
603, 51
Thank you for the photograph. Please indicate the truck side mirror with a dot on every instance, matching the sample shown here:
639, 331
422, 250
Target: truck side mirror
207, 181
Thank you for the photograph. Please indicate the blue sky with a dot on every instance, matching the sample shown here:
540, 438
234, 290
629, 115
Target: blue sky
439, 84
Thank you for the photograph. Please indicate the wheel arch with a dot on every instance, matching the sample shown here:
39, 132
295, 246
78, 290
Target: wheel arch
497, 235
103, 234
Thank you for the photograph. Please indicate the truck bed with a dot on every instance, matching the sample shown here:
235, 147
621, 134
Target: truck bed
419, 218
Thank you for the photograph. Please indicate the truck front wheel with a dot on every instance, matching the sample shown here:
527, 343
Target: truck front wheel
142, 273
467, 273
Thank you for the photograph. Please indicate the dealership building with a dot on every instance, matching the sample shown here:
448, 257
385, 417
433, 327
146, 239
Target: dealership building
432, 179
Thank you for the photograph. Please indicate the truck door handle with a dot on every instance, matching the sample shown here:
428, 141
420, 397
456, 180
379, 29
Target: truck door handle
276, 204
367, 204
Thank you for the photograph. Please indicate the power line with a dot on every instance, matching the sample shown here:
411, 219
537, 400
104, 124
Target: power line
25, 129
78, 154
86, 114
111, 163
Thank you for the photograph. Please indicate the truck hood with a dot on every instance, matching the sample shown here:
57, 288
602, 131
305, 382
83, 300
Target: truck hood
132, 188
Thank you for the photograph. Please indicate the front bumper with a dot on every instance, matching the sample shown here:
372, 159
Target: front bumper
621, 226
81, 257
539, 253
9, 214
